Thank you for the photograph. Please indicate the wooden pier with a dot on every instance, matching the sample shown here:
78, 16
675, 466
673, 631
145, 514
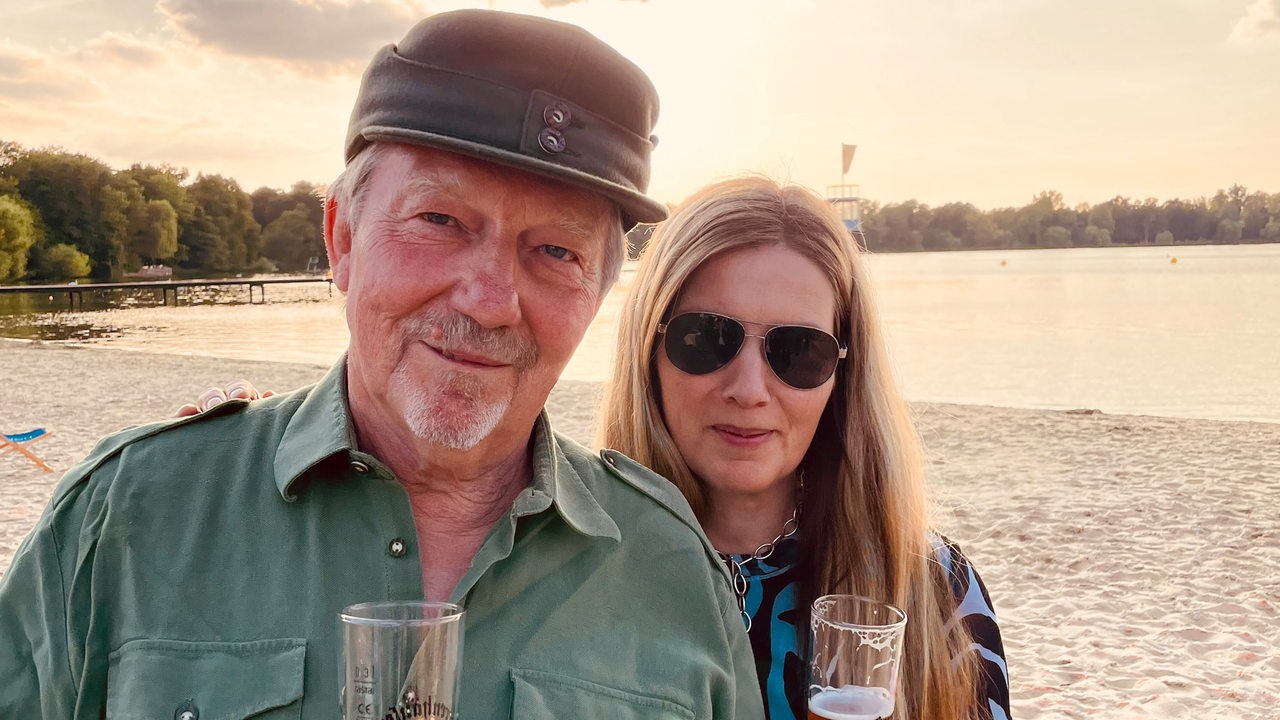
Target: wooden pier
75, 293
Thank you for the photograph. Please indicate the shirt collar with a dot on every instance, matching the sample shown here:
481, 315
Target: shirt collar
322, 427
319, 429
557, 476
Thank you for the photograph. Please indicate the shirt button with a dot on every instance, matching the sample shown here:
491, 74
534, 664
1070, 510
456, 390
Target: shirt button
187, 711
397, 548
359, 467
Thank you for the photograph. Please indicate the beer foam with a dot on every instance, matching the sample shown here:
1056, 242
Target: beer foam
851, 702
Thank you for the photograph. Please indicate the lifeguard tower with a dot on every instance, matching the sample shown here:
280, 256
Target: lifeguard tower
847, 198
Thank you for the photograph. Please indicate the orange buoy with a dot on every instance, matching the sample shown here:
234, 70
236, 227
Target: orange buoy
1173, 261
1003, 263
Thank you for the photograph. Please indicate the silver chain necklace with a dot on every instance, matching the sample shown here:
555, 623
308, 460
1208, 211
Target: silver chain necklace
763, 552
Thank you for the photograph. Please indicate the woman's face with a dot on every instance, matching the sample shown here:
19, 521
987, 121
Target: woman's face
741, 429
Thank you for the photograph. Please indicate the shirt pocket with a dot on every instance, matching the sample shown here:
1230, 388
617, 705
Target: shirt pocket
541, 695
261, 679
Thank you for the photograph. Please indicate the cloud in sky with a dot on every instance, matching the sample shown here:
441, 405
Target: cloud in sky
27, 75
1261, 21
310, 36
120, 49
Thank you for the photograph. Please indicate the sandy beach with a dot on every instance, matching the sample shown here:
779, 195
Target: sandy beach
1134, 561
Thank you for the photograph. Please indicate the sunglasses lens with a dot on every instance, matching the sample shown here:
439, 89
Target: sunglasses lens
699, 343
802, 357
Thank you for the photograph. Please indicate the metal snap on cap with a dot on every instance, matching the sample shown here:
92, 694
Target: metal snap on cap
551, 140
187, 711
397, 547
557, 115
359, 466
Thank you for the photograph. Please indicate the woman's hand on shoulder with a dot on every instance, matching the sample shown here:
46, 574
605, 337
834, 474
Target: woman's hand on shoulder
214, 396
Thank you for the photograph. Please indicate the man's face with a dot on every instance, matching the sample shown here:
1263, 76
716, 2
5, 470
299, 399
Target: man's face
469, 285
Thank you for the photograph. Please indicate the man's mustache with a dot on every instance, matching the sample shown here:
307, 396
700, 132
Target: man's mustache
460, 333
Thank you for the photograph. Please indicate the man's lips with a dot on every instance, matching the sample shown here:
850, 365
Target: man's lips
467, 358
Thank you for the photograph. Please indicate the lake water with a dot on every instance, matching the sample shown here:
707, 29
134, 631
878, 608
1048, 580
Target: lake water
1186, 331
1125, 330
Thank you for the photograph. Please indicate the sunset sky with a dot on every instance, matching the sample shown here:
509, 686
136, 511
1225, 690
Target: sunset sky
988, 101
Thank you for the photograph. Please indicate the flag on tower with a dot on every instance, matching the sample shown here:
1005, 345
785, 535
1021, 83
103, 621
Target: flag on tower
848, 156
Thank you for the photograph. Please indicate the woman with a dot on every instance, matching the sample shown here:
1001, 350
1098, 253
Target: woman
752, 373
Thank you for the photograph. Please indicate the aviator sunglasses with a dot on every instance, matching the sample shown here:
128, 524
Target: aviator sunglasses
700, 342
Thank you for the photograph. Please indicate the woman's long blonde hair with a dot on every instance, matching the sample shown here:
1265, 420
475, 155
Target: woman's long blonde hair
865, 524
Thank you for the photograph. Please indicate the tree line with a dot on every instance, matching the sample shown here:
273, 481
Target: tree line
66, 215
1231, 216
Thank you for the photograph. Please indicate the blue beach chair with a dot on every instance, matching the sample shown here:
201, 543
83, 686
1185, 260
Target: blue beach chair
16, 442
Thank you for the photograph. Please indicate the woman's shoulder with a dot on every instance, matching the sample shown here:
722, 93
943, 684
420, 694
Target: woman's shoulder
956, 567
975, 611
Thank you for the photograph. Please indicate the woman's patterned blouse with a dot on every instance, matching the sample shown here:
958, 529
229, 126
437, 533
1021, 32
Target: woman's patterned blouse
771, 602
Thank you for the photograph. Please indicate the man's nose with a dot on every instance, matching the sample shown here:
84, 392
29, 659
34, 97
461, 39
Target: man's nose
488, 291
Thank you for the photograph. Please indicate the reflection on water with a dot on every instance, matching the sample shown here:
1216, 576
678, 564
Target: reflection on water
52, 327
1118, 329
287, 323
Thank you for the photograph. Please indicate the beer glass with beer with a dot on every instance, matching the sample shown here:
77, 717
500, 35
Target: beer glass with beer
401, 659
856, 647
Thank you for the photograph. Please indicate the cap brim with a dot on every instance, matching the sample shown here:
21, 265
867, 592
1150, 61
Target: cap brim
635, 206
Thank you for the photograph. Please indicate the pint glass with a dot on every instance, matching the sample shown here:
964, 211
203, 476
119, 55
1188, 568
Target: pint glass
856, 648
401, 659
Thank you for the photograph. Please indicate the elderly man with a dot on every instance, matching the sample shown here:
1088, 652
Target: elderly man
196, 568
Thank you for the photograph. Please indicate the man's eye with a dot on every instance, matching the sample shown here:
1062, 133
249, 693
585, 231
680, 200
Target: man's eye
558, 252
438, 218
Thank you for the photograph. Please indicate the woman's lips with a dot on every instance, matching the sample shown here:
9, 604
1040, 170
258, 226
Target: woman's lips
742, 437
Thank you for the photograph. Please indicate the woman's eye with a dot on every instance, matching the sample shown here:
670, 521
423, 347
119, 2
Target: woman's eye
438, 218
558, 252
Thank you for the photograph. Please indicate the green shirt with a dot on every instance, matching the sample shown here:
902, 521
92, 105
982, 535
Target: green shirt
205, 561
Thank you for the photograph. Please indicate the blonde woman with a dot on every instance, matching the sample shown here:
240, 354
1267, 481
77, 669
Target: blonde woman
751, 371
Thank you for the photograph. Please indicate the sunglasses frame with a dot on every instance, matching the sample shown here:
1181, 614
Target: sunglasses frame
842, 350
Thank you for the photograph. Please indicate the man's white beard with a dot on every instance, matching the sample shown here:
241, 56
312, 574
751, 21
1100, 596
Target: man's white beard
437, 418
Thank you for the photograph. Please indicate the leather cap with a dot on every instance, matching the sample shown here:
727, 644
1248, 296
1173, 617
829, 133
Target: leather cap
522, 91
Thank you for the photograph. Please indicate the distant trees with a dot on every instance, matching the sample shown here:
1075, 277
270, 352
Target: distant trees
293, 225
1233, 215
236, 237
17, 235
66, 215
76, 204
156, 222
62, 261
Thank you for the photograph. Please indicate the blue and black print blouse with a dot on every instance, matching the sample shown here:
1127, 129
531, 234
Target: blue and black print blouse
772, 592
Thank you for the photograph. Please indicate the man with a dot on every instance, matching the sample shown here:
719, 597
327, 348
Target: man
198, 566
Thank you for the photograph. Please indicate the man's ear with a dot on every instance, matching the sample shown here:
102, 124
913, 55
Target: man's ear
337, 241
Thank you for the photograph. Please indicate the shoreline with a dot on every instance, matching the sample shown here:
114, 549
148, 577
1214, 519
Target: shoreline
1132, 560
235, 362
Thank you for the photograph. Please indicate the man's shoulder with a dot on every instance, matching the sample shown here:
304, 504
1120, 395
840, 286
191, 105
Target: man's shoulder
611, 463
650, 484
639, 486
171, 440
